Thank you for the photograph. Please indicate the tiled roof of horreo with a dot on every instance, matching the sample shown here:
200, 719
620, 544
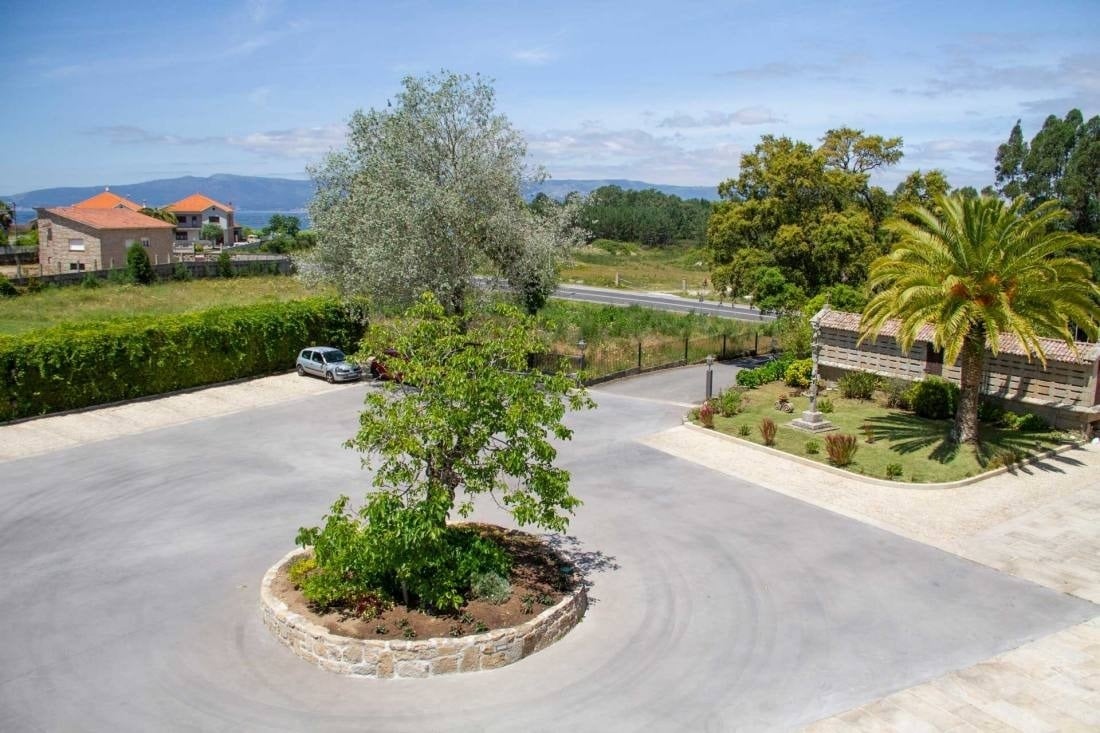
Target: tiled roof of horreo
1054, 349
106, 218
107, 200
197, 202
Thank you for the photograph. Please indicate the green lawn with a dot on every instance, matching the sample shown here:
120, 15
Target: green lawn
666, 269
921, 447
53, 306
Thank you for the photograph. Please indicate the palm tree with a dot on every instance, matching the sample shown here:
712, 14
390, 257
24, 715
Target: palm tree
974, 269
162, 214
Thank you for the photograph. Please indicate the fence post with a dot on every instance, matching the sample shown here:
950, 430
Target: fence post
685, 349
639, 355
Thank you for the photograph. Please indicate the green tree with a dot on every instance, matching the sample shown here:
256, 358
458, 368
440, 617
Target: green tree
211, 233
139, 269
283, 224
477, 421
427, 193
1010, 163
162, 214
922, 189
975, 269
225, 264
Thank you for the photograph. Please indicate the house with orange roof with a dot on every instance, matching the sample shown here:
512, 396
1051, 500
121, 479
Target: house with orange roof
74, 238
107, 200
198, 210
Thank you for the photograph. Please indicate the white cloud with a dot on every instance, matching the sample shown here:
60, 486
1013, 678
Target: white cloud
744, 116
533, 56
299, 142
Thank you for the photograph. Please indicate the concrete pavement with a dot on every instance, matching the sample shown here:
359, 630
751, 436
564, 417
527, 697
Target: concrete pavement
130, 570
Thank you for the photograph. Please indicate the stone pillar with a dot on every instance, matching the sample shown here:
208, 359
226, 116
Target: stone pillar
811, 419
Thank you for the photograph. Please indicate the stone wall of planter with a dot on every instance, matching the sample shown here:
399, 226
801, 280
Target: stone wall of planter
418, 657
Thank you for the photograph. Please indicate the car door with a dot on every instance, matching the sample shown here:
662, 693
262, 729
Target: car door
317, 364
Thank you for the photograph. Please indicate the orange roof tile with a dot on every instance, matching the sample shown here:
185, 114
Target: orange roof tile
107, 218
107, 200
197, 202
1008, 344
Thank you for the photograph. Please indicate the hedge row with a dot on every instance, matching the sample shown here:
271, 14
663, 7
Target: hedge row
76, 366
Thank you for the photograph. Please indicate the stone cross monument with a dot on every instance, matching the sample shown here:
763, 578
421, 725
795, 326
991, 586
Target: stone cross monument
812, 420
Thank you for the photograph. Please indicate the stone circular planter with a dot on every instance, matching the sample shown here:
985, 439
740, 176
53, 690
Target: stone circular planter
418, 657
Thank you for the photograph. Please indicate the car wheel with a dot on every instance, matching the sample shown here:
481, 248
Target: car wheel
330, 377
301, 371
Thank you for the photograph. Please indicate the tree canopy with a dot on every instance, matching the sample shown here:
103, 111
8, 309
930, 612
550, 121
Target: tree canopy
649, 216
426, 193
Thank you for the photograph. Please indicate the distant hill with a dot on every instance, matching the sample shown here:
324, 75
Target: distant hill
255, 193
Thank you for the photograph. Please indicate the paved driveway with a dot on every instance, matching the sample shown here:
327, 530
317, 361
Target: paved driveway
129, 572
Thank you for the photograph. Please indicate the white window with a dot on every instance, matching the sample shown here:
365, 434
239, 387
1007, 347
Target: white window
76, 244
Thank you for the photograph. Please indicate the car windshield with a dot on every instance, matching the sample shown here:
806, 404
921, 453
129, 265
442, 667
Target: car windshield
334, 356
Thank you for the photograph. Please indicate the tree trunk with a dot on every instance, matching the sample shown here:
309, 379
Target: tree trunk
971, 365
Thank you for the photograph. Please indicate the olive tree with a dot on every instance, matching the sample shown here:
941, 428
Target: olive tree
426, 193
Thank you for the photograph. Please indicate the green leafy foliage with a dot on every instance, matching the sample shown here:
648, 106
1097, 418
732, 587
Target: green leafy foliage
744, 430
896, 393
84, 364
841, 448
181, 272
772, 371
490, 586
813, 447
858, 385
934, 398
7, 290
728, 403
825, 405
91, 282
798, 373
139, 269
649, 216
225, 264
894, 470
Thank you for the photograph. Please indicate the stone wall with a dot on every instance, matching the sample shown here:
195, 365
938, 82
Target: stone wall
419, 657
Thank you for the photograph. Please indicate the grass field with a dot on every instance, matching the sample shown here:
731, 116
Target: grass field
666, 269
54, 306
918, 445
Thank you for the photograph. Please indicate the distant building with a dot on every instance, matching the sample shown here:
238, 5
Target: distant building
74, 238
107, 200
197, 210
1066, 393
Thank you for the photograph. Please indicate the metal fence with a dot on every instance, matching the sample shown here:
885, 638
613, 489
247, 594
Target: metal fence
244, 265
615, 358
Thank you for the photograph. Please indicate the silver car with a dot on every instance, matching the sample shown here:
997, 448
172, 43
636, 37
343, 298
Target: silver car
328, 363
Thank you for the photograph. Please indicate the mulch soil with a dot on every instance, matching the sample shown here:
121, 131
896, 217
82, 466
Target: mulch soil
537, 583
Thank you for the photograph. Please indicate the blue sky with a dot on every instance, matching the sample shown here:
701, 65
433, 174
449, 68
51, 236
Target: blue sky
667, 92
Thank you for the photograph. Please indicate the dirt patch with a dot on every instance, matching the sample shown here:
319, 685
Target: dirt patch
540, 578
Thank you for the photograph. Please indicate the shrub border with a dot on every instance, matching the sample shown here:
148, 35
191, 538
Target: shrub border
394, 658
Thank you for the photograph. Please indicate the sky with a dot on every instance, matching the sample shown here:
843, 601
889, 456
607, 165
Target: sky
102, 93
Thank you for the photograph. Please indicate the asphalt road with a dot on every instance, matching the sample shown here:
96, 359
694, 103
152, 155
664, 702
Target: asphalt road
659, 301
129, 574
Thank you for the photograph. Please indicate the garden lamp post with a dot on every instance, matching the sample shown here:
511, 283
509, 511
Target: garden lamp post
582, 345
710, 375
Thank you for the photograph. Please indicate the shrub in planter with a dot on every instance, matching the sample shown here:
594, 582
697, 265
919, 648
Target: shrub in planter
896, 393
841, 448
728, 403
798, 373
706, 415
934, 398
767, 430
858, 385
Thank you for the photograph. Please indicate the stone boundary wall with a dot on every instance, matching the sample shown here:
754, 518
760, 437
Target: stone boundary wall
418, 657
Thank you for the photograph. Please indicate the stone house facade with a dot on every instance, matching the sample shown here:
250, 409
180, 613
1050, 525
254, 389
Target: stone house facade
196, 211
1065, 393
74, 239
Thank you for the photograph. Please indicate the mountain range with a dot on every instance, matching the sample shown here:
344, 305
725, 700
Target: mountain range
255, 193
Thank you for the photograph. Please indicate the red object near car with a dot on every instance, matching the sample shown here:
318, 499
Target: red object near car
378, 368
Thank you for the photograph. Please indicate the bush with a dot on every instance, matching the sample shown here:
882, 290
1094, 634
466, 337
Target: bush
825, 405
706, 415
772, 371
181, 272
813, 447
744, 431
728, 403
78, 365
798, 373
490, 586
1002, 459
767, 430
934, 398
139, 269
1031, 423
34, 285
7, 290
225, 264
90, 282
841, 448
858, 385
301, 569
894, 470
896, 392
